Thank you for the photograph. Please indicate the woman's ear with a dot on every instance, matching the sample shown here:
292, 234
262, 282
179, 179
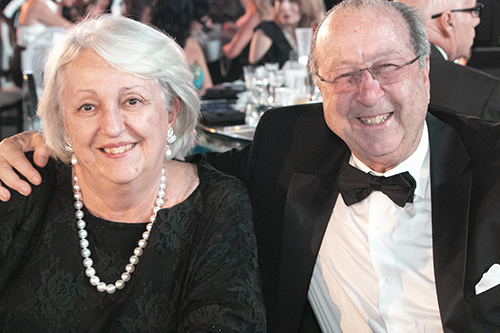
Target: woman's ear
174, 111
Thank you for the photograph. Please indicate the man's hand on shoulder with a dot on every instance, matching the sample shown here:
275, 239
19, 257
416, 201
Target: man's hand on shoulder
12, 157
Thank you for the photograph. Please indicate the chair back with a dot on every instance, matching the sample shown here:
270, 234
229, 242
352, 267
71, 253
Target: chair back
10, 59
30, 103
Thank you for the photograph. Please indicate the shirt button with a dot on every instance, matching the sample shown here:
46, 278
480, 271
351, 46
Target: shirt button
388, 281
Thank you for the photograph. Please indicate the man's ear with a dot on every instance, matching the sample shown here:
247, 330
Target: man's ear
446, 23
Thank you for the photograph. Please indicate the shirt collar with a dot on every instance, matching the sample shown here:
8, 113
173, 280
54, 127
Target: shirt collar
418, 165
445, 56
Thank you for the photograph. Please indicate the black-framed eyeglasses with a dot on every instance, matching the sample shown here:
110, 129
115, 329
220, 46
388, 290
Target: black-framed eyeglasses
475, 11
385, 72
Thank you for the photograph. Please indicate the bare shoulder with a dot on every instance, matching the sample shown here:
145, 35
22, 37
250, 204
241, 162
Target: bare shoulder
259, 45
192, 46
193, 51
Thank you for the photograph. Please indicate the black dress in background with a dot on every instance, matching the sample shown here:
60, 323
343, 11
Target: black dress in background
280, 48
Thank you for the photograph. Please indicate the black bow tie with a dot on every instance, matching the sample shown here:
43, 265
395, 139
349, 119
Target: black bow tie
355, 185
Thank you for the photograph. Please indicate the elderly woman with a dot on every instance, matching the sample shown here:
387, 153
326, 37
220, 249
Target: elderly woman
126, 238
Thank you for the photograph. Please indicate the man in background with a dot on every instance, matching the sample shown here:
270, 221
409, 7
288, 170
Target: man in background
450, 28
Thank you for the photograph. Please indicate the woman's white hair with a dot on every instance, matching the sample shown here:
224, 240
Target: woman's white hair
133, 48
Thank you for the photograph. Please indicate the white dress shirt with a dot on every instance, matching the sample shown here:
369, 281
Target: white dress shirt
374, 271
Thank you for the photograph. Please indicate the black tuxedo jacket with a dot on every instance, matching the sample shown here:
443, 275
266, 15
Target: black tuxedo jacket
291, 171
463, 89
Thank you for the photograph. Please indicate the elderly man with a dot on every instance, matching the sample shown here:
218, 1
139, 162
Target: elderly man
371, 213
450, 27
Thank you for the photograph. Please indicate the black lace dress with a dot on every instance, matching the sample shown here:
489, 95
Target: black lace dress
198, 272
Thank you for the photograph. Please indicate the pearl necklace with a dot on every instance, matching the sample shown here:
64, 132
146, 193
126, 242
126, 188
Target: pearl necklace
84, 243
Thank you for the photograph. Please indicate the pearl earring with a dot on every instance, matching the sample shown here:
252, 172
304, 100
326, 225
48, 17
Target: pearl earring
69, 148
170, 140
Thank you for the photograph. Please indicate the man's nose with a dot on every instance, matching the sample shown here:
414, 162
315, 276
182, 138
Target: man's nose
477, 20
369, 90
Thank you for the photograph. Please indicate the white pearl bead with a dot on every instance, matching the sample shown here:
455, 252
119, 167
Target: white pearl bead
138, 251
94, 280
90, 271
130, 268
82, 233
110, 288
142, 243
81, 224
119, 284
101, 286
145, 235
134, 260
149, 226
76, 187
156, 209
85, 253
78, 205
77, 196
79, 214
84, 243
125, 277
87, 262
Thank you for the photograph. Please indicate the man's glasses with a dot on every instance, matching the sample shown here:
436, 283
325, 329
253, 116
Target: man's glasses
475, 11
385, 72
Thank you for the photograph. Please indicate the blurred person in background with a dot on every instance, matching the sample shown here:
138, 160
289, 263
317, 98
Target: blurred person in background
175, 17
450, 29
256, 12
235, 52
272, 41
37, 15
139, 10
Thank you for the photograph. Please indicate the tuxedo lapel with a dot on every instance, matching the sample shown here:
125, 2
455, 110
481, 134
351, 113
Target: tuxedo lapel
450, 193
309, 204
436, 55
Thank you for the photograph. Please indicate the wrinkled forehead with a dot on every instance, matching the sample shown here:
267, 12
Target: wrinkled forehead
359, 36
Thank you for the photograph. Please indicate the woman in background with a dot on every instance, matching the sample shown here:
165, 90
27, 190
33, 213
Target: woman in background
272, 41
37, 15
255, 12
